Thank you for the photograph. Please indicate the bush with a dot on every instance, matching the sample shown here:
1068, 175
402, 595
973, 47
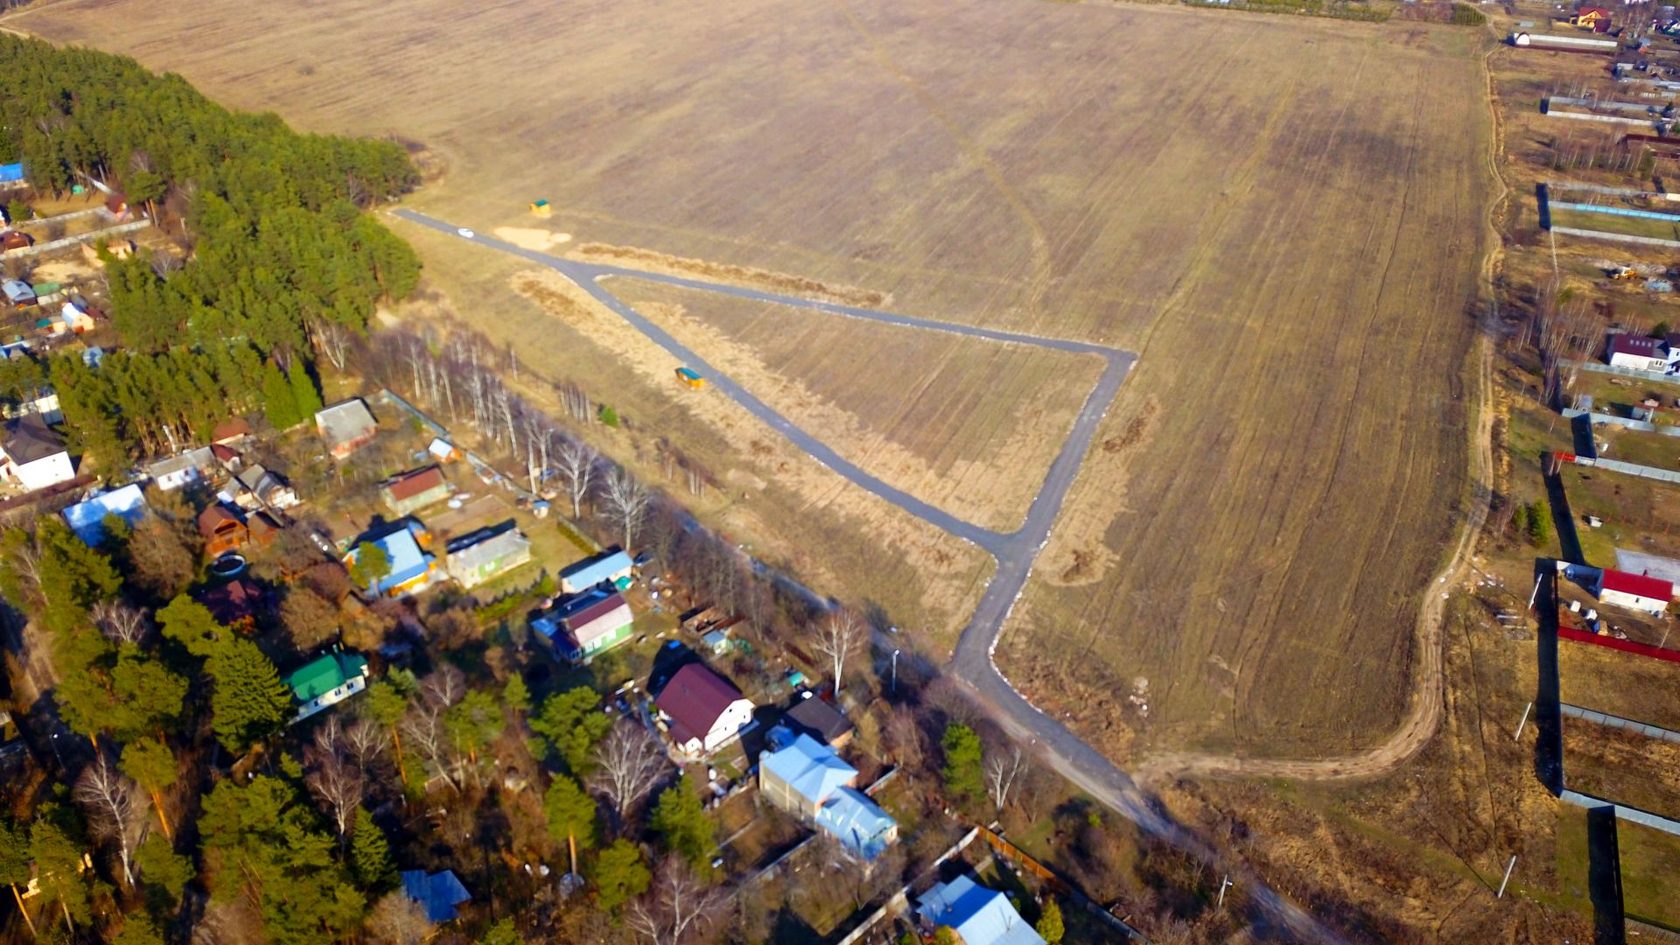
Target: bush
1537, 522
609, 416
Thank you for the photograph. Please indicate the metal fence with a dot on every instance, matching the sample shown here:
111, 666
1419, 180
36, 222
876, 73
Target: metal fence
1614, 237
1615, 721
1617, 211
1644, 818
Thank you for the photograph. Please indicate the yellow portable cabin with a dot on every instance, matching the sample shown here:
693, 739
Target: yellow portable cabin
691, 378
541, 208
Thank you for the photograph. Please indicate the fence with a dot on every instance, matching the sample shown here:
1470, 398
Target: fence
1614, 237
1626, 646
1644, 818
40, 248
1626, 423
1617, 211
1598, 368
1615, 721
1651, 110
1564, 187
1607, 119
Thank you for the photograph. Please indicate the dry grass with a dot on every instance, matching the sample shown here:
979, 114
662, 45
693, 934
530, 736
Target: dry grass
1288, 231
974, 431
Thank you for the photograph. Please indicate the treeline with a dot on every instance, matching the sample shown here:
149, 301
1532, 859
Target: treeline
278, 249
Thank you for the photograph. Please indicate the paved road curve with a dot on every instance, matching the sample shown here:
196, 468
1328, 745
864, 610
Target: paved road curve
1015, 551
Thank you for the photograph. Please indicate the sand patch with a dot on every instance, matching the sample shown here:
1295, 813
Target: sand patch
532, 238
1077, 553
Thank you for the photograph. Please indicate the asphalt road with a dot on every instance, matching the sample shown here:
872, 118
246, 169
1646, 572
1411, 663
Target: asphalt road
1016, 551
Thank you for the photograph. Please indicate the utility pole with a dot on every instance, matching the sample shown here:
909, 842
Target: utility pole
1508, 868
1524, 722
895, 672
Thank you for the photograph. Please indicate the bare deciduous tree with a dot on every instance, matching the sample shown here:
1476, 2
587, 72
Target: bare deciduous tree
576, 463
423, 725
119, 622
839, 636
114, 813
630, 762
398, 920
336, 782
675, 908
365, 742
627, 501
332, 340
1003, 773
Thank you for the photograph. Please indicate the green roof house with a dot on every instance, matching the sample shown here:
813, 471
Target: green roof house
326, 681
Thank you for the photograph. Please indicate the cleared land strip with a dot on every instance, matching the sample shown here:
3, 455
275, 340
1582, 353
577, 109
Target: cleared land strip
972, 663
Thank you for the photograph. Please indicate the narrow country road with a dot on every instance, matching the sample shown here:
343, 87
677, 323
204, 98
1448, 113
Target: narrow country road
1015, 551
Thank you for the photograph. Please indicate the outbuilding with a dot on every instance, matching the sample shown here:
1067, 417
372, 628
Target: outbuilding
609, 567
414, 490
703, 711
483, 555
347, 426
1635, 591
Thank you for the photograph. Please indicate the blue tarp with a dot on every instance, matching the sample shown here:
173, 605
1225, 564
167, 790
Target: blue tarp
11, 172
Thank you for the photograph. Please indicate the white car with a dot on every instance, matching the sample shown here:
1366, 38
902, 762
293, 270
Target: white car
465, 232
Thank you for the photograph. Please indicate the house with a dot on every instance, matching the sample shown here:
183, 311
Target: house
438, 894
18, 293
586, 625
703, 711
232, 432
116, 206
411, 564
610, 566
235, 604
442, 450
227, 456
326, 681
87, 518
222, 529
414, 490
819, 719
1596, 19
347, 426
262, 487
978, 915
808, 780
476, 558
34, 456
1635, 591
183, 469
1643, 353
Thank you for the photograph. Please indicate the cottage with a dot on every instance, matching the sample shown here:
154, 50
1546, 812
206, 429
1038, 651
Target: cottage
75, 317
262, 487
18, 293
182, 470
1596, 19
326, 681
411, 564
586, 625
32, 455
808, 780
476, 558
1643, 353
222, 529
1635, 591
978, 915
87, 518
703, 711
347, 426
437, 894
820, 720
609, 567
412, 491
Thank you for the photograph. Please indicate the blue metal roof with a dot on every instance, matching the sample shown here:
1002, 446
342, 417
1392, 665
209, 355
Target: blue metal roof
857, 822
11, 172
809, 767
402, 548
437, 893
981, 916
87, 519
592, 571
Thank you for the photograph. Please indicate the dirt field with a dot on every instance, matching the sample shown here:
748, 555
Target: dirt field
1288, 233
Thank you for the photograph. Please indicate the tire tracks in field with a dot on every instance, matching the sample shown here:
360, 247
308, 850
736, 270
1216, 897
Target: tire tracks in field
1423, 718
1043, 267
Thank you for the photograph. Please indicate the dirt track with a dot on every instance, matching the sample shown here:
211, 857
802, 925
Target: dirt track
1423, 716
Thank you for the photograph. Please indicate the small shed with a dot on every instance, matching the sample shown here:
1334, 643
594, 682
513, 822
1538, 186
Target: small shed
438, 894
542, 208
691, 378
19, 294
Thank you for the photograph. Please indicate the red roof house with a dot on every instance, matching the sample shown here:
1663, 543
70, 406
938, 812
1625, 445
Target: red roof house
1635, 591
704, 710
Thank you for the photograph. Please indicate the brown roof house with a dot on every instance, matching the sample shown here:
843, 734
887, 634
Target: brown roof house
820, 720
232, 432
702, 710
222, 529
235, 604
414, 490
347, 426
32, 455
